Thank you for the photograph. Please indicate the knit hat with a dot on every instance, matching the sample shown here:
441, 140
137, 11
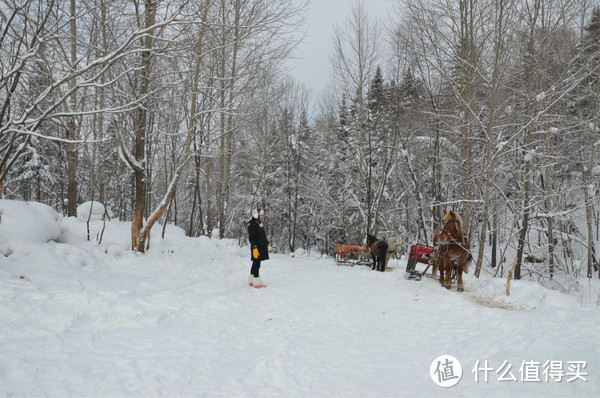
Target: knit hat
256, 212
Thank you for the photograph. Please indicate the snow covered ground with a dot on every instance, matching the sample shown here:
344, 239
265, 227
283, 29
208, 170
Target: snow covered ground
80, 318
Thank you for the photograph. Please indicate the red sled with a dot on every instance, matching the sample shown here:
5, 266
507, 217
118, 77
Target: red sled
419, 254
349, 254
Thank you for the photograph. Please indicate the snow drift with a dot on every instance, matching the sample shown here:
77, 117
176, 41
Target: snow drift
81, 318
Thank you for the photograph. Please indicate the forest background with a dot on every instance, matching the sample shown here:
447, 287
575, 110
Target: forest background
183, 112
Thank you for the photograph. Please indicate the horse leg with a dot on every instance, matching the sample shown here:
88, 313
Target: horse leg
374, 262
440, 266
459, 280
447, 273
382, 261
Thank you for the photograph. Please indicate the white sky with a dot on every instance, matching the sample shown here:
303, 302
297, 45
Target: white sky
312, 65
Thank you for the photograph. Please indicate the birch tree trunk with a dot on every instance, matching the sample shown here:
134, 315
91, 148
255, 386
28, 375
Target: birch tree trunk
467, 71
194, 114
72, 121
588, 184
587, 181
228, 80
138, 236
530, 87
491, 158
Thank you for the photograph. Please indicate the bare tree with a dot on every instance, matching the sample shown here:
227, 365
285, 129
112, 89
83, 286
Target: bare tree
39, 88
503, 25
138, 159
252, 36
590, 56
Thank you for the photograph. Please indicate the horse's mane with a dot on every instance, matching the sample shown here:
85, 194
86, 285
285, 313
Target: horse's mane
450, 230
453, 215
394, 243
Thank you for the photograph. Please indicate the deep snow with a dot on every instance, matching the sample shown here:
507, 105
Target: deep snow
86, 319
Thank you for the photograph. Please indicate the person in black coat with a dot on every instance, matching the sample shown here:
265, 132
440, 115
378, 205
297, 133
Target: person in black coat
259, 247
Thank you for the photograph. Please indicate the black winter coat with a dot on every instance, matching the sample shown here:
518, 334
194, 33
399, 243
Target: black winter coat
258, 239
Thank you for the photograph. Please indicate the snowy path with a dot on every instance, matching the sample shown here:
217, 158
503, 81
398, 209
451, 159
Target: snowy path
185, 324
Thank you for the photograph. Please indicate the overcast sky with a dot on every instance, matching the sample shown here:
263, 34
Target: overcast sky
312, 66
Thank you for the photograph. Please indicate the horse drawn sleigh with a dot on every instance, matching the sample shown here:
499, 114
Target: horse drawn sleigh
449, 254
349, 254
376, 252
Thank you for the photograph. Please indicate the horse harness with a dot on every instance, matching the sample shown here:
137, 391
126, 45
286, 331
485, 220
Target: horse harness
452, 241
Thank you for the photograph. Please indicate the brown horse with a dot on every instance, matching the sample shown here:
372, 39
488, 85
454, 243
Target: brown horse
451, 249
378, 249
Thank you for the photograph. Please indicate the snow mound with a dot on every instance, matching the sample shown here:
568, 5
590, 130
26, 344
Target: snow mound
92, 210
28, 223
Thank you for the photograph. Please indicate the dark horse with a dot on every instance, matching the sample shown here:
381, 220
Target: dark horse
451, 249
378, 249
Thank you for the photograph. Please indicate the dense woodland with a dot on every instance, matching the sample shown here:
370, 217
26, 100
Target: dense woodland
183, 112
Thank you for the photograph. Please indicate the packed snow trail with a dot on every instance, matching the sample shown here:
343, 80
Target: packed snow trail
79, 319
